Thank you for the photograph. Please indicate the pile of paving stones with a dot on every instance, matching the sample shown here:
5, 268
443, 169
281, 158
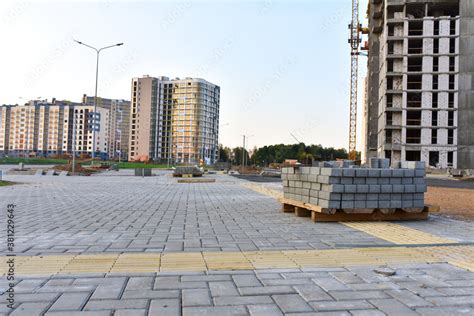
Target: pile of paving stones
343, 185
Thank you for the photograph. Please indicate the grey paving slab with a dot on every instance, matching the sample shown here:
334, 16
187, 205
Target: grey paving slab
156, 214
425, 289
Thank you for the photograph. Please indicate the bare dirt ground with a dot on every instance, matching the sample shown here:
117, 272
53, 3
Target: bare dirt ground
453, 201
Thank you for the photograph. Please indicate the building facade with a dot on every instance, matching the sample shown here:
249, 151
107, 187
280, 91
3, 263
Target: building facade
117, 125
42, 128
419, 92
174, 121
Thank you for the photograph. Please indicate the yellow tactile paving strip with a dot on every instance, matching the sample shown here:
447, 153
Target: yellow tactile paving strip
398, 234
460, 256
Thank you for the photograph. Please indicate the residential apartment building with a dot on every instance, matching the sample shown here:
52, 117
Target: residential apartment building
174, 120
42, 128
419, 85
117, 125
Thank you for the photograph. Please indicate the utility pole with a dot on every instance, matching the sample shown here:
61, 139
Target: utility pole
243, 153
74, 141
97, 50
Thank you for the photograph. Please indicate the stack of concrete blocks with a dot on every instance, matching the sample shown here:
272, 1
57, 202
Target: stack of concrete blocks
342, 185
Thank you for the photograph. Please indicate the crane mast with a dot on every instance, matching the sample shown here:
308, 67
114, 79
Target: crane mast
354, 41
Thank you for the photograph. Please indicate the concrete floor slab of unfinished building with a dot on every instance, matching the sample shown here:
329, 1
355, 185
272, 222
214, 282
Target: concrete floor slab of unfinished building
123, 245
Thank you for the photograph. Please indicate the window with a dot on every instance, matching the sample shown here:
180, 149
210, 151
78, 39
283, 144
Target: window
434, 158
450, 136
435, 63
434, 103
436, 46
434, 136
435, 82
450, 158
451, 118
434, 118
451, 100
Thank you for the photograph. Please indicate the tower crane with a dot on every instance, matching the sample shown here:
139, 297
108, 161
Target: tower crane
354, 41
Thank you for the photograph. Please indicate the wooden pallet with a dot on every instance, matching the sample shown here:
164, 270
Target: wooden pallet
319, 214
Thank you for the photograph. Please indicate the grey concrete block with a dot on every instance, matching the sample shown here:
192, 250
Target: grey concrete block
315, 170
384, 163
374, 188
336, 188
373, 180
361, 172
407, 180
304, 170
408, 173
410, 188
384, 204
382, 180
306, 185
314, 200
362, 188
329, 179
330, 196
420, 188
312, 177
384, 197
335, 172
395, 180
385, 172
406, 204
360, 204
360, 197
372, 197
373, 173
348, 172
374, 163
407, 196
329, 204
418, 196
314, 193
358, 180
347, 204
395, 204
316, 186
347, 163
346, 180
398, 188
418, 203
350, 188
413, 164
396, 196
372, 204
348, 197
418, 180
420, 173
386, 188
397, 173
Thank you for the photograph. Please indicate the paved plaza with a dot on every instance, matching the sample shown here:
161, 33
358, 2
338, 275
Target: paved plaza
115, 244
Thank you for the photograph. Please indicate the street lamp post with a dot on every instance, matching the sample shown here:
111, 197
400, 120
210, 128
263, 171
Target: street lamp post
97, 50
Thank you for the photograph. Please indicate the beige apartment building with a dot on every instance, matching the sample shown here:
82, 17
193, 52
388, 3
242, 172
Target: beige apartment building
174, 120
41, 128
419, 92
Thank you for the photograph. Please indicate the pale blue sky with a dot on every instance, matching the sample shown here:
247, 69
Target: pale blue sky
283, 66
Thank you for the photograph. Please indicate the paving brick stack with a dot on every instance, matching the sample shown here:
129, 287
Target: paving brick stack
341, 185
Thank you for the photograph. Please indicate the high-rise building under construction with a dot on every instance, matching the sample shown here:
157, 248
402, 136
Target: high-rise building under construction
174, 120
419, 92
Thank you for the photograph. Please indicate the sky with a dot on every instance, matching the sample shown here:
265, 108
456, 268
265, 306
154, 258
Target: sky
283, 66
